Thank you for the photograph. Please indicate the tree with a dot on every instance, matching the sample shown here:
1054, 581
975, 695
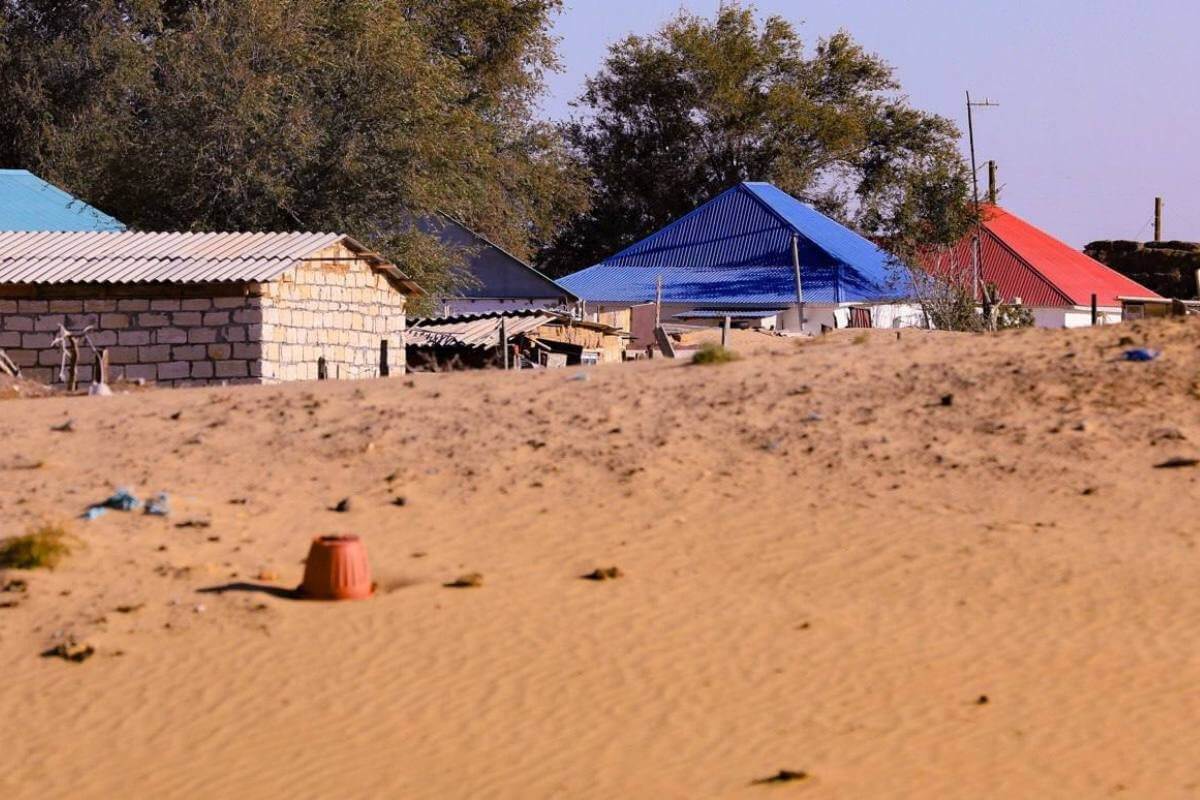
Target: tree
675, 118
351, 115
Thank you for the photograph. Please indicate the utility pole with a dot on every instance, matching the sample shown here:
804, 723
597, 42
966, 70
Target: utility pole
799, 281
975, 255
1158, 209
992, 190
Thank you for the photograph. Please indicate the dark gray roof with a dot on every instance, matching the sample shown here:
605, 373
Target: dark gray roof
497, 274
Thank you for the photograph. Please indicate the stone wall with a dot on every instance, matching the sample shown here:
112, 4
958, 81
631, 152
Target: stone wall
333, 307
1168, 268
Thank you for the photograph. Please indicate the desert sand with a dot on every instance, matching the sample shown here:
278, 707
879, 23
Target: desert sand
833, 553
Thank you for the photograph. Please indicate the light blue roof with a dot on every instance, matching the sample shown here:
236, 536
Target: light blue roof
736, 251
29, 204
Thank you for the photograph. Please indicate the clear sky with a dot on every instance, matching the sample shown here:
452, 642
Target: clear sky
1100, 99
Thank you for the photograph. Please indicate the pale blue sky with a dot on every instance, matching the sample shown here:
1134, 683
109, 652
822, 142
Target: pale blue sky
1100, 99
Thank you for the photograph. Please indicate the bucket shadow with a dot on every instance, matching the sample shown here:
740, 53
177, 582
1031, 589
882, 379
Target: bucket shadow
253, 588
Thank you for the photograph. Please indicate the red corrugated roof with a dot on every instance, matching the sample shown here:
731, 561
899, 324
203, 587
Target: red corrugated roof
1026, 262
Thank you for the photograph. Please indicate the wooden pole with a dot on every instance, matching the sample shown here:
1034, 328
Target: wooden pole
504, 342
658, 304
100, 370
73, 364
384, 369
992, 182
1158, 215
799, 280
725, 326
1095, 310
322, 369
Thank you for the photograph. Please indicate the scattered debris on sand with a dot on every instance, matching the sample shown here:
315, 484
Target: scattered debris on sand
783, 776
471, 580
604, 574
70, 650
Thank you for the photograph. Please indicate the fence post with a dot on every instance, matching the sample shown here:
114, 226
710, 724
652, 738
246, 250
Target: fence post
322, 369
384, 369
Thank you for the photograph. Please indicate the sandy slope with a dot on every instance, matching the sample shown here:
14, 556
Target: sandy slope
826, 569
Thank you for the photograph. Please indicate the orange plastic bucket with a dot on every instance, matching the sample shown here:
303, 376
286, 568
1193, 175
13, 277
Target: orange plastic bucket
337, 569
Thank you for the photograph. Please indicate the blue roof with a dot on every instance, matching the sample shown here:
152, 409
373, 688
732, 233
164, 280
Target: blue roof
736, 251
28, 204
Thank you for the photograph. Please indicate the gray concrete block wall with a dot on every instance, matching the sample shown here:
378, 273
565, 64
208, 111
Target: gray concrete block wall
156, 337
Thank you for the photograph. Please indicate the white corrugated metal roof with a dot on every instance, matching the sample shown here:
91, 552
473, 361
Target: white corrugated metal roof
101, 257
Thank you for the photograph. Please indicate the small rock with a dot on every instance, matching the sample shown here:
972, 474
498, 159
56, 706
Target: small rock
947, 400
400, 501
604, 574
783, 776
470, 581
1177, 463
66, 427
342, 506
982, 701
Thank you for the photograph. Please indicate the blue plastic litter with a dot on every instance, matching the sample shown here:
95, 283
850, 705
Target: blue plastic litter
121, 500
1141, 354
159, 506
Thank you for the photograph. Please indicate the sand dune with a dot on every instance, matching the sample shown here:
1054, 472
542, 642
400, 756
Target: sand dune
827, 566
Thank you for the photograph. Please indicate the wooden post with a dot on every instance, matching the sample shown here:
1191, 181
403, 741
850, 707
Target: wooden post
992, 182
100, 370
384, 370
322, 369
1158, 214
1095, 310
725, 326
658, 303
504, 342
73, 364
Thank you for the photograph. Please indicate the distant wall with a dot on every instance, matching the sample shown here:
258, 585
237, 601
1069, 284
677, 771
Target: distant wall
1168, 268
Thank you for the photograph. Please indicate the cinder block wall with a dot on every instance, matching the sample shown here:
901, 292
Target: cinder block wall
335, 307
155, 333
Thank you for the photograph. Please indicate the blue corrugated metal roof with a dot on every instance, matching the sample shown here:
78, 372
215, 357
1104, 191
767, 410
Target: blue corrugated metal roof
29, 204
721, 313
736, 250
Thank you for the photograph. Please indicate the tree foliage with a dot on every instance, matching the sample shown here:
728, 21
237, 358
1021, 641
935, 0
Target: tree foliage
674, 118
351, 115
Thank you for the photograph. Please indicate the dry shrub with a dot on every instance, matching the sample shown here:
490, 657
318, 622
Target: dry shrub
44, 547
710, 353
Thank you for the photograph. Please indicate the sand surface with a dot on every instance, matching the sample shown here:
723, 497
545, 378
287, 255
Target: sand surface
827, 565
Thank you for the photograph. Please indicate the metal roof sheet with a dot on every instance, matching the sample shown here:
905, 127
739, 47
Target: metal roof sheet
28, 203
1025, 262
126, 257
718, 313
736, 249
482, 330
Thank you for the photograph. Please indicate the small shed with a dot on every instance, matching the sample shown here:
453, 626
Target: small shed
186, 309
28, 203
535, 338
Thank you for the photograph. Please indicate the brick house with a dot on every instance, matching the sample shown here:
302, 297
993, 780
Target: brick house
188, 309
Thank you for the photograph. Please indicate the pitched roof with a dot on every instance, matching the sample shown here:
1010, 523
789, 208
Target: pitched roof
1026, 262
28, 203
97, 257
736, 251
494, 273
